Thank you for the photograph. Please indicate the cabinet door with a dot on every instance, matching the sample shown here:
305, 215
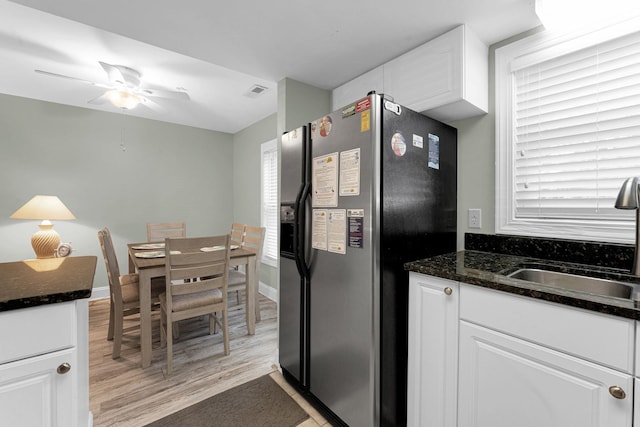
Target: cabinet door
433, 349
34, 394
506, 382
358, 88
636, 405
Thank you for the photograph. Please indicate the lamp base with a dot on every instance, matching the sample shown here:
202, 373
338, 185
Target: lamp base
45, 241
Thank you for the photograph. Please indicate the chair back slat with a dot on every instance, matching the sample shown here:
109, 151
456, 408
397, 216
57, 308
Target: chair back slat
159, 231
237, 231
253, 240
199, 257
111, 263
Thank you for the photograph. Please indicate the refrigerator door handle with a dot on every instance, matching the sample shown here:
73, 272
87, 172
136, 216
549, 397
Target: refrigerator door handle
300, 227
299, 231
296, 230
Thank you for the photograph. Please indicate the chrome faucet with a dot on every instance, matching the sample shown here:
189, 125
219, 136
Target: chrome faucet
628, 199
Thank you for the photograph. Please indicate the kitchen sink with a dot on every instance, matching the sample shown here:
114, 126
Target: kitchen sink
574, 282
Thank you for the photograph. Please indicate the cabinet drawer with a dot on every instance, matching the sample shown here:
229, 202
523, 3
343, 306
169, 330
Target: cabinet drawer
37, 330
601, 338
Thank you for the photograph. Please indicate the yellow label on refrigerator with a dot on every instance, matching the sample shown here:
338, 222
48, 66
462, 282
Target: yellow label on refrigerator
365, 121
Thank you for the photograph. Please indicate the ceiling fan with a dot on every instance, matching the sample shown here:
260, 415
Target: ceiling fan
123, 89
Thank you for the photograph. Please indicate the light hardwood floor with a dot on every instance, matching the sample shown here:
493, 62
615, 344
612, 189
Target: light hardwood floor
123, 394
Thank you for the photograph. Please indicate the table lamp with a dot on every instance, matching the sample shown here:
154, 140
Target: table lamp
45, 208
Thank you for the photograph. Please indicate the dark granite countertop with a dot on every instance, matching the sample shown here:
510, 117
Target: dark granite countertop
488, 269
45, 281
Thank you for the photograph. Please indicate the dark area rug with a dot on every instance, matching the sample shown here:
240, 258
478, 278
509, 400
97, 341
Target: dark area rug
261, 402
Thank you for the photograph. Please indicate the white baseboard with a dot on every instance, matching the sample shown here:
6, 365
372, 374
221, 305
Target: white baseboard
99, 293
266, 290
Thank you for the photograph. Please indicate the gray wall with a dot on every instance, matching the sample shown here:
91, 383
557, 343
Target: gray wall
247, 180
476, 172
476, 158
112, 170
299, 103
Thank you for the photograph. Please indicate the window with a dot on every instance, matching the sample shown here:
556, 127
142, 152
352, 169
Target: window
269, 211
568, 133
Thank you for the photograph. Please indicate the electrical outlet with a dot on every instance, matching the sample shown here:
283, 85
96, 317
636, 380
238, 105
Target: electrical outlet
475, 218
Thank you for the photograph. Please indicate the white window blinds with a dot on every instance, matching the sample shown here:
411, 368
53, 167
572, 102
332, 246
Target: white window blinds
576, 130
269, 156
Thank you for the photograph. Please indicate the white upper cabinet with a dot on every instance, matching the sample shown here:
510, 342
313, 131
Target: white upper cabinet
358, 88
445, 78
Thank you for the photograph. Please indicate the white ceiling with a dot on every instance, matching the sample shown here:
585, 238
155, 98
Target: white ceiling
218, 50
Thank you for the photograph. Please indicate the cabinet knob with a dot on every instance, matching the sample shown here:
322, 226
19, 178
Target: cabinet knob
617, 392
448, 290
65, 367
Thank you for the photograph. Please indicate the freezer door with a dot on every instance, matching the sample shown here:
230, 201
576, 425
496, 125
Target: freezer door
290, 321
341, 303
292, 157
291, 293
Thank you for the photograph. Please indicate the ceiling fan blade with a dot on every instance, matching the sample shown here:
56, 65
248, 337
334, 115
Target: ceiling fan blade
151, 104
169, 94
119, 74
48, 73
100, 100
114, 74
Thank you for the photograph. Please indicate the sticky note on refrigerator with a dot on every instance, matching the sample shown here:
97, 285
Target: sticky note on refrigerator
434, 151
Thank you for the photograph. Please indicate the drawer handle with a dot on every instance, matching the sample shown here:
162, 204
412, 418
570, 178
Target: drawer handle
617, 392
448, 290
65, 367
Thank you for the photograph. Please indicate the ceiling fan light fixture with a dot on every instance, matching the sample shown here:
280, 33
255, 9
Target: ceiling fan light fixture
123, 98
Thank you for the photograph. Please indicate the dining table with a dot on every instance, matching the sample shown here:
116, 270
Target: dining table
147, 259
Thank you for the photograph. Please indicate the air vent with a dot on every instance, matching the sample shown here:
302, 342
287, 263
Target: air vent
255, 91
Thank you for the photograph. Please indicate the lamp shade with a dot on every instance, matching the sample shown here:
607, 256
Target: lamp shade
43, 207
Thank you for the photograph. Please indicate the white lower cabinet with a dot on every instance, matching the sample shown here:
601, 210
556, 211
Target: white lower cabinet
433, 350
505, 381
485, 358
44, 367
34, 393
636, 405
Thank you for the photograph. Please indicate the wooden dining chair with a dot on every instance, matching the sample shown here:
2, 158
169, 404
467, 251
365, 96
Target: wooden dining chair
237, 231
123, 291
252, 240
197, 273
157, 232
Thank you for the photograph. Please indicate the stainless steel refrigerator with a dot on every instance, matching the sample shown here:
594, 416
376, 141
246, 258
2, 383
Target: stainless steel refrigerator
363, 190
